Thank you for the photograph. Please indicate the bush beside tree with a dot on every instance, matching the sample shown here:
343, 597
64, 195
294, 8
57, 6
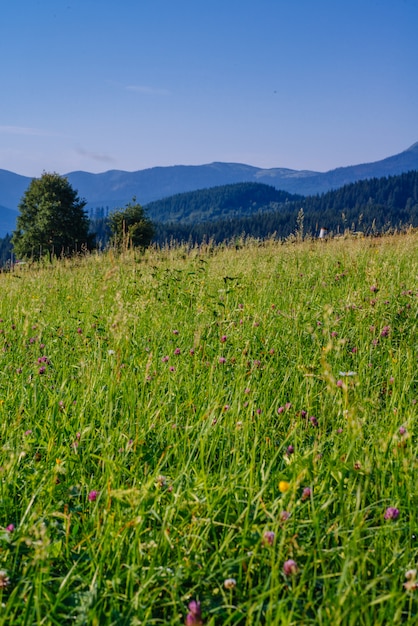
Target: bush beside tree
131, 226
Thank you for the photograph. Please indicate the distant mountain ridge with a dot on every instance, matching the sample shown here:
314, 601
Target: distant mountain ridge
115, 188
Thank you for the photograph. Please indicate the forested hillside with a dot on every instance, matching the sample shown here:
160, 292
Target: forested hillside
370, 206
225, 201
257, 210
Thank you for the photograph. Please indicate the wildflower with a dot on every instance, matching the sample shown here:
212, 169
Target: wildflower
175, 332
79, 330
350, 373
165, 359
194, 616
222, 359
402, 430
306, 493
10, 528
280, 409
177, 351
172, 369
268, 538
191, 351
391, 513
313, 421
303, 413
284, 486
42, 370
93, 495
230, 583
290, 567
374, 288
290, 450
339, 383
4, 579
385, 331
161, 481
284, 516
224, 338
411, 580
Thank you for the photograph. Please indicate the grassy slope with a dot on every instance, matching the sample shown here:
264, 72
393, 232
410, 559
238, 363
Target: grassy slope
172, 385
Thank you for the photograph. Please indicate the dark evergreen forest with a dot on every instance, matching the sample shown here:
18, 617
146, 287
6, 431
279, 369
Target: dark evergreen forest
371, 206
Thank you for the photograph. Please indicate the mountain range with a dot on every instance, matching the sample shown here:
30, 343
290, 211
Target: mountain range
116, 188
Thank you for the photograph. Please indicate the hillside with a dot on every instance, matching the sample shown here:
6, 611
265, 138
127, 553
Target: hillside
115, 188
371, 205
226, 201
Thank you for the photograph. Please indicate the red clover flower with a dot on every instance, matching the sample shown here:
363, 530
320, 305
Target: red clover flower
290, 567
391, 513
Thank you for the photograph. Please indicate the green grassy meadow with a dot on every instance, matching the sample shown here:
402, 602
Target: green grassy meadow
218, 436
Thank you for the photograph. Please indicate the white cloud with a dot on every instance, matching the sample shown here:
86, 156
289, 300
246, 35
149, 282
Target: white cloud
23, 130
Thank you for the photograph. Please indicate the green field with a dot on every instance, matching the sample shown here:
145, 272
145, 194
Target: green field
230, 426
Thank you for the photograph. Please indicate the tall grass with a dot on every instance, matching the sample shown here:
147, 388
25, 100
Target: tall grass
174, 420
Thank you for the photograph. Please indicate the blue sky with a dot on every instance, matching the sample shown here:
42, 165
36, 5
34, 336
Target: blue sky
129, 84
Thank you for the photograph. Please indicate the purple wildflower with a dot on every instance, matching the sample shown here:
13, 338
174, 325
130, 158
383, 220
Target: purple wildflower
268, 538
93, 495
306, 493
10, 528
222, 359
290, 567
194, 616
313, 421
224, 338
391, 513
385, 331
177, 351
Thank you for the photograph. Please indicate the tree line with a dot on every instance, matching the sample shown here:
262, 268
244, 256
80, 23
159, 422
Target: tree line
371, 206
53, 221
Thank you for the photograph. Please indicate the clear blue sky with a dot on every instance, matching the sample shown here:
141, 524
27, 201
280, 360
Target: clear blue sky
129, 84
